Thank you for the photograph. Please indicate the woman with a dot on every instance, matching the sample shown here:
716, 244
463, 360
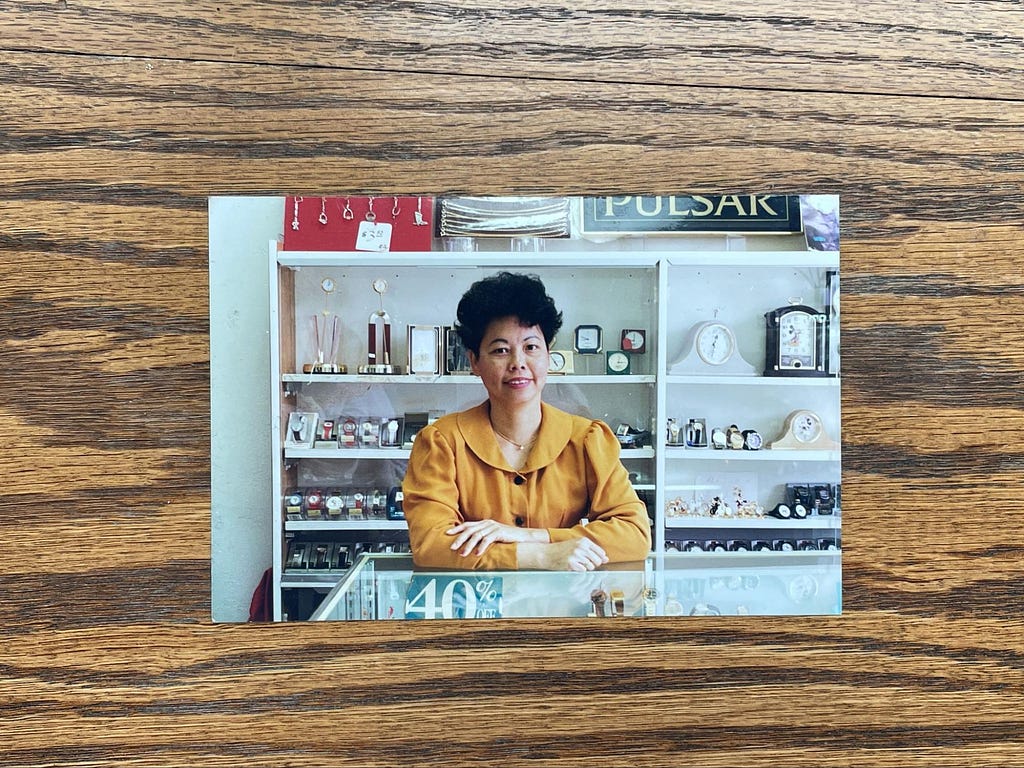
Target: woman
506, 484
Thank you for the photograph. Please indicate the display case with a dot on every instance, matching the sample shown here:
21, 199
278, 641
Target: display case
389, 587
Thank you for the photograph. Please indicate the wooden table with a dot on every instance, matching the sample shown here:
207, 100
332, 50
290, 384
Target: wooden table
118, 119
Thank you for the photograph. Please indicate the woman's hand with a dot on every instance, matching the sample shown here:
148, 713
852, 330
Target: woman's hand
480, 534
580, 554
574, 555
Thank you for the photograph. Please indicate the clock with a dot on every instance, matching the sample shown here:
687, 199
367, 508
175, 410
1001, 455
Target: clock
803, 430
588, 339
380, 285
711, 349
327, 284
617, 363
795, 341
560, 361
634, 340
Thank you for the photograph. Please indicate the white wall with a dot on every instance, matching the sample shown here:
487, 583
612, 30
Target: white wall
240, 531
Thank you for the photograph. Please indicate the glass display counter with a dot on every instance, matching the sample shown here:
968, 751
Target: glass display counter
388, 586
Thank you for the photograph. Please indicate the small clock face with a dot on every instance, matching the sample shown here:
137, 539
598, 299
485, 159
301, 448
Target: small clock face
294, 500
588, 339
797, 340
634, 340
557, 364
806, 426
313, 500
334, 502
715, 343
618, 362
327, 284
380, 285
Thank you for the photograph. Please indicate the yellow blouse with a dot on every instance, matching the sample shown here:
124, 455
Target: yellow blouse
457, 473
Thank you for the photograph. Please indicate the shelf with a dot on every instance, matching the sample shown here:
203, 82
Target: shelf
830, 382
750, 558
325, 579
346, 453
812, 522
822, 259
403, 453
554, 258
369, 524
553, 379
765, 454
479, 259
366, 378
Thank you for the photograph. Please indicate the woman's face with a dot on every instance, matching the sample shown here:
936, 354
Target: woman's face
513, 362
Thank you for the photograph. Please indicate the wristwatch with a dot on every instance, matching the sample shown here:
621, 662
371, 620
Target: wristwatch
718, 439
335, 504
752, 440
734, 438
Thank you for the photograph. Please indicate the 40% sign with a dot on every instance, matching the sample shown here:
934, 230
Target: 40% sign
453, 597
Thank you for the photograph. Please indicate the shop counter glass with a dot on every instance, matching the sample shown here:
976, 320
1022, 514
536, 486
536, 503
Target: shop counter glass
389, 587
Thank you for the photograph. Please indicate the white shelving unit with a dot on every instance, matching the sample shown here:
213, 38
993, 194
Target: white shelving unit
664, 292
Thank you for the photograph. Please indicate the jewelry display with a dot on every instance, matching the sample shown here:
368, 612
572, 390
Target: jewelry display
504, 217
378, 356
418, 214
373, 235
345, 503
705, 609
618, 602
326, 336
347, 436
696, 434
674, 434
390, 429
301, 429
326, 437
598, 599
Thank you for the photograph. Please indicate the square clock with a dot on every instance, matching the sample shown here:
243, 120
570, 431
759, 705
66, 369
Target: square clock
587, 339
634, 340
617, 362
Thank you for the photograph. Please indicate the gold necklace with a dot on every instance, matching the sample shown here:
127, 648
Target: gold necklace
512, 442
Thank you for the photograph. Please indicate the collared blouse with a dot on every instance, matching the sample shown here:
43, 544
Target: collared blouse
457, 473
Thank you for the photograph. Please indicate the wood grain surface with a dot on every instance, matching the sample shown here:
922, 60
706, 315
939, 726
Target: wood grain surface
118, 119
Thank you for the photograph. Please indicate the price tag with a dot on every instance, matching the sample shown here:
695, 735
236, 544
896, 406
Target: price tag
373, 236
453, 597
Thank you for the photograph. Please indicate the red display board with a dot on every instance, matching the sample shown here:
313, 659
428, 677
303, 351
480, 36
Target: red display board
358, 223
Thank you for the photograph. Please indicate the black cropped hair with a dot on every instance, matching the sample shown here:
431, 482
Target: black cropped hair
506, 294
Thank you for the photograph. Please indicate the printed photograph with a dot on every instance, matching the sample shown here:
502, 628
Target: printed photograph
445, 407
